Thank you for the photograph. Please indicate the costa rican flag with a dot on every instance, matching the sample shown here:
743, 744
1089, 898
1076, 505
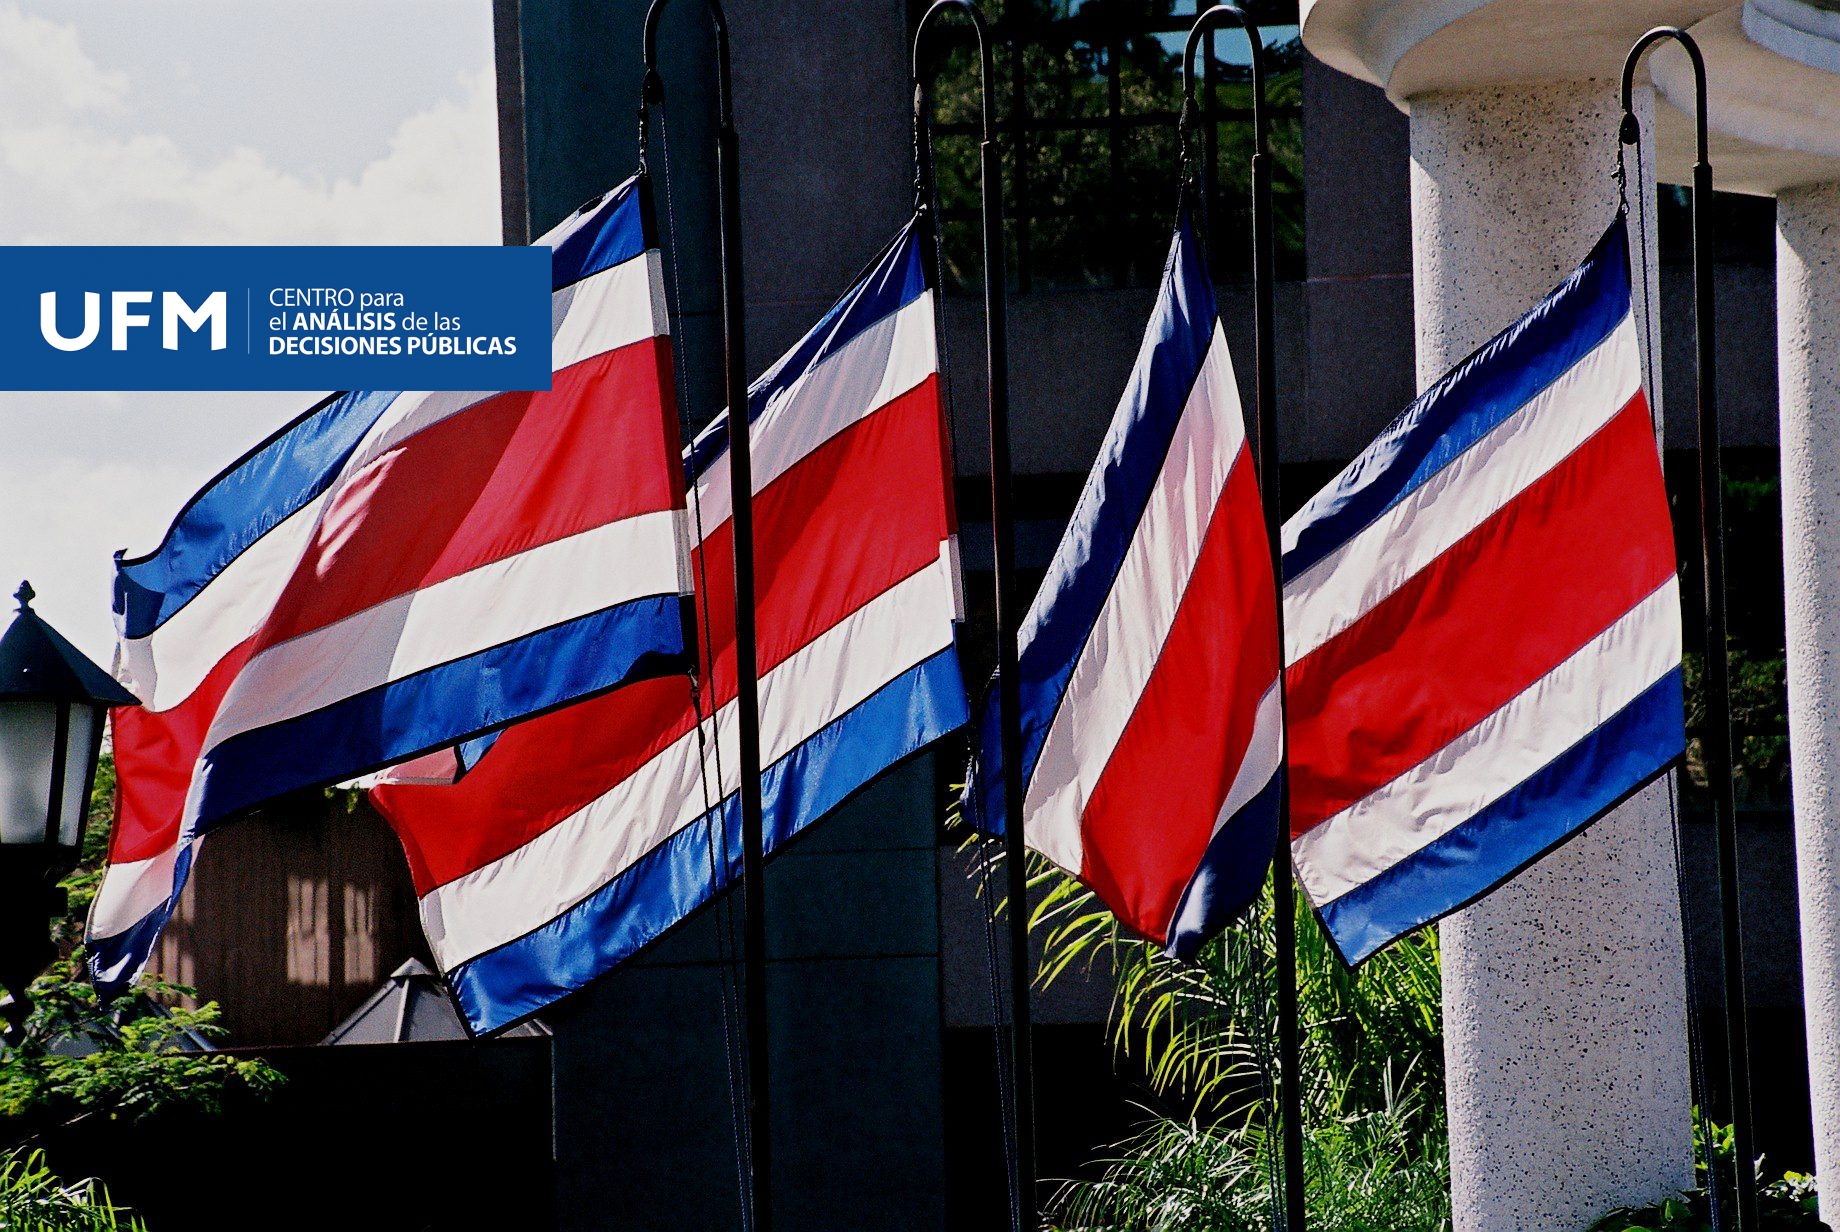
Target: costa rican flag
394, 572
580, 837
1483, 622
1152, 731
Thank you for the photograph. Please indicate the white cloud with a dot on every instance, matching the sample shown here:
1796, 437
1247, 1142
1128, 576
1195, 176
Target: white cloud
103, 148
44, 70
438, 184
66, 520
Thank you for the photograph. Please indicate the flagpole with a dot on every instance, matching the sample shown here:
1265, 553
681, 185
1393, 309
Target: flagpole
758, 1144
1024, 1204
1715, 741
1265, 365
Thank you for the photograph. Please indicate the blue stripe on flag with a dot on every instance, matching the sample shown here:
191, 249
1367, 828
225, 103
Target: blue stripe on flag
897, 279
256, 494
468, 752
608, 233
1231, 872
1516, 828
1105, 521
286, 472
114, 961
1470, 400
676, 877
447, 703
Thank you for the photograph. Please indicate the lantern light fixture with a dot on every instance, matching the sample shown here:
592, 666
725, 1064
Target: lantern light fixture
53, 705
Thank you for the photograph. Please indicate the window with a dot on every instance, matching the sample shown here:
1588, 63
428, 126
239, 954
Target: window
1088, 93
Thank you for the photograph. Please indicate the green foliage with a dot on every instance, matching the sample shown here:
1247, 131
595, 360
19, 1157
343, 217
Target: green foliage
1375, 1140
33, 1200
1200, 1027
1786, 1204
139, 1056
1364, 1170
1759, 720
346, 798
1754, 619
1176, 1175
82, 883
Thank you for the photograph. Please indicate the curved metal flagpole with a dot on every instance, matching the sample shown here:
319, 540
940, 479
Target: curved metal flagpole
1716, 739
1024, 1202
1265, 367
758, 1143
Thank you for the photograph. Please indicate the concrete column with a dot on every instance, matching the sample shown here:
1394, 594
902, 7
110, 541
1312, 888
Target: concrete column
1565, 1011
1808, 372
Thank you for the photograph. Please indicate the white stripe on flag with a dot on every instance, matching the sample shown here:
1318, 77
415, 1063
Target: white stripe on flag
1344, 586
572, 860
609, 310
131, 892
872, 369
1495, 756
1114, 667
1264, 754
166, 666
551, 583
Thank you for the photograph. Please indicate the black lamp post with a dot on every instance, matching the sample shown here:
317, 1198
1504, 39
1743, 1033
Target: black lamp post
52, 707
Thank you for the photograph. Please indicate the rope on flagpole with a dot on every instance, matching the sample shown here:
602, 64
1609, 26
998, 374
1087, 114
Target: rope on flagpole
927, 207
1715, 739
1690, 960
1024, 1200
1284, 895
1252, 929
757, 1205
989, 860
707, 710
700, 678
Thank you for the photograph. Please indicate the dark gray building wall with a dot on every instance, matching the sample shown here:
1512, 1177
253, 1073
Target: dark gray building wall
1745, 294
1360, 369
826, 151
644, 1132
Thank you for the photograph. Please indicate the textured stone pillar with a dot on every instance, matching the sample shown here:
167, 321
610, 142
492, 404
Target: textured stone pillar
1565, 1029
1808, 369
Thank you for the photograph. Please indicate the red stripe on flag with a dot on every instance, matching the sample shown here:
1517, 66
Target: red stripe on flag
517, 471
1477, 627
513, 472
859, 514
1153, 808
155, 752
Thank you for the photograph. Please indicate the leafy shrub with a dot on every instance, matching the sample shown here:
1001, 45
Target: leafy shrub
1759, 721
1785, 1204
33, 1200
1364, 1170
139, 1057
1375, 1143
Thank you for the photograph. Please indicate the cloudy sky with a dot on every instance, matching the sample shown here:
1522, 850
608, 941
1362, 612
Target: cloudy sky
210, 122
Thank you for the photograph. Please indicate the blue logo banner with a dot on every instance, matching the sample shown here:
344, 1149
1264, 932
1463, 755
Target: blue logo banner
160, 318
